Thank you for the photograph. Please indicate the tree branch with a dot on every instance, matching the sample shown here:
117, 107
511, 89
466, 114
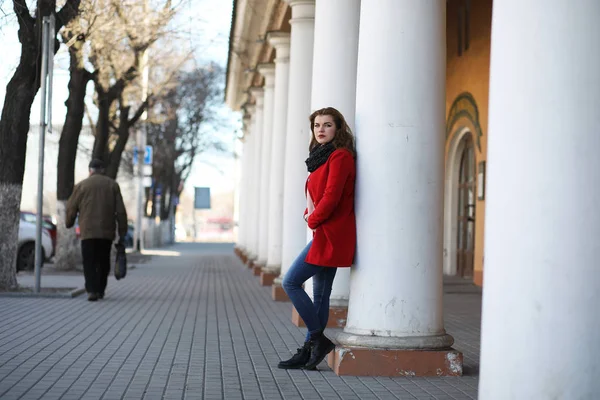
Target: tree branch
138, 113
123, 119
115, 90
67, 13
26, 21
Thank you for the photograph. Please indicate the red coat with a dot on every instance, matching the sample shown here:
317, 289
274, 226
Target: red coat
331, 187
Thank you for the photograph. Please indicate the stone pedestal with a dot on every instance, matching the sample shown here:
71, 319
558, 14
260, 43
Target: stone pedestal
277, 293
357, 361
267, 278
337, 317
257, 269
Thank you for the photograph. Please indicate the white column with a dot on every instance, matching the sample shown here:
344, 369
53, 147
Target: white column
253, 232
243, 187
246, 219
396, 283
334, 85
281, 43
298, 130
268, 71
541, 292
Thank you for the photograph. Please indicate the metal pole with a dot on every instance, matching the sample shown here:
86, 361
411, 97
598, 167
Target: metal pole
141, 144
50, 66
40, 195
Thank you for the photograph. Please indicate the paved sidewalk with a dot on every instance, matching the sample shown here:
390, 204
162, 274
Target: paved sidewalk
193, 323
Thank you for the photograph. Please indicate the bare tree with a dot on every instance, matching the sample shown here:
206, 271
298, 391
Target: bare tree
180, 126
118, 60
106, 48
14, 122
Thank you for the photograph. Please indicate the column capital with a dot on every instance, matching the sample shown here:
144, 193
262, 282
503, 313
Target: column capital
302, 10
259, 95
278, 39
268, 71
294, 3
250, 109
281, 43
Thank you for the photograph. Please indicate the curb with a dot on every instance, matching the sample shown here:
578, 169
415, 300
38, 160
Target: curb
67, 294
77, 292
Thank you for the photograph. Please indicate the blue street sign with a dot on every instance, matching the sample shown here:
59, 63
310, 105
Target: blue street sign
148, 155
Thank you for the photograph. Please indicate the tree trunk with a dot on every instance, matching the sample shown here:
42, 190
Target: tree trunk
114, 162
102, 127
67, 244
14, 127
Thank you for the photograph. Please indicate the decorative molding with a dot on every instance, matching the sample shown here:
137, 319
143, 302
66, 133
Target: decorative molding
464, 106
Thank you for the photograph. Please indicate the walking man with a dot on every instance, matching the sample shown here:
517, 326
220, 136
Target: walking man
98, 201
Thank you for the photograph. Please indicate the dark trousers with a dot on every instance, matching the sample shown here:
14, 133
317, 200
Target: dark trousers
96, 264
314, 314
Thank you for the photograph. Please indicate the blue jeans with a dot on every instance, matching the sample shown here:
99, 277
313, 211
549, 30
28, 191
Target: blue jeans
314, 315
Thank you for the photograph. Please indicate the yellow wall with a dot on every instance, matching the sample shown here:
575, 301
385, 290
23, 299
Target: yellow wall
470, 73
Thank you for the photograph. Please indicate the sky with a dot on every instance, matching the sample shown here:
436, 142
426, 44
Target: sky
205, 22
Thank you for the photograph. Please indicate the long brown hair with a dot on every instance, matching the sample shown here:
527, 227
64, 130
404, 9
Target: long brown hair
343, 139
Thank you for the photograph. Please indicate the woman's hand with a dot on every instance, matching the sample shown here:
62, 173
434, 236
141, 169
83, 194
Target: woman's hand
306, 220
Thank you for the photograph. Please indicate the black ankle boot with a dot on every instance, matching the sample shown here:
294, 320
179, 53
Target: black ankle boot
320, 347
298, 360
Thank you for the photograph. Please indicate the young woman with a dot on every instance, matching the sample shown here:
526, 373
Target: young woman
330, 214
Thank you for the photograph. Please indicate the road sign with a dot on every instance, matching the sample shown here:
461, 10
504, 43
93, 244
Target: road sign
201, 198
148, 155
147, 181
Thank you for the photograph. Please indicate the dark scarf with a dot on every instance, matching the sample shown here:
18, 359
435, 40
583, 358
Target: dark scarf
319, 155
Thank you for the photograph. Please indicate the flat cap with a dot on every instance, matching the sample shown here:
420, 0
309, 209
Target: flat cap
96, 164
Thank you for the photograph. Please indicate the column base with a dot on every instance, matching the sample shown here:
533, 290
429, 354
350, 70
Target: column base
337, 317
360, 361
267, 278
241, 255
278, 294
257, 268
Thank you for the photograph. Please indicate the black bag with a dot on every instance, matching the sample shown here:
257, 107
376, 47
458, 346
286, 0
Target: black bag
120, 261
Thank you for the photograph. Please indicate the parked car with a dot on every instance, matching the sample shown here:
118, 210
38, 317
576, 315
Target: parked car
48, 224
26, 245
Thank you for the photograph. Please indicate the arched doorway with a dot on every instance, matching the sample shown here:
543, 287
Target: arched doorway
459, 205
466, 210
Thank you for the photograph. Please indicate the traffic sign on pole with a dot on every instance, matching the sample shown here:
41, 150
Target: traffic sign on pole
148, 155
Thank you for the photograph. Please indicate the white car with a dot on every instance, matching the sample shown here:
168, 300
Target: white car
26, 246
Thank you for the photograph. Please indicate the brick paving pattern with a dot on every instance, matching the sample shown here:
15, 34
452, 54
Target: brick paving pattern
194, 326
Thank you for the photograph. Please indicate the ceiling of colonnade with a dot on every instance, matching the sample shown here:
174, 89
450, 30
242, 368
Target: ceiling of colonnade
251, 21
